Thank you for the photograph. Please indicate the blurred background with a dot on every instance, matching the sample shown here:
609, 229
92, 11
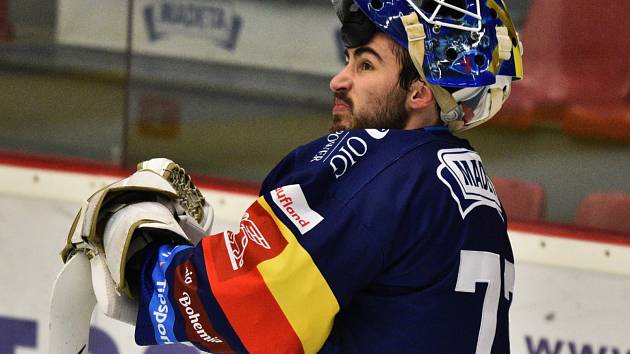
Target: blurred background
228, 87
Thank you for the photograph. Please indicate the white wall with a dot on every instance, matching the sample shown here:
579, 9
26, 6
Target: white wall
571, 296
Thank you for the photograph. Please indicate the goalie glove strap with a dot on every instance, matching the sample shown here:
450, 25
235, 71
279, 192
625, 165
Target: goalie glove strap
118, 237
147, 241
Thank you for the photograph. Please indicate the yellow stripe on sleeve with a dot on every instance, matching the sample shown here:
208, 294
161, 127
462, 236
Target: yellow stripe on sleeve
300, 289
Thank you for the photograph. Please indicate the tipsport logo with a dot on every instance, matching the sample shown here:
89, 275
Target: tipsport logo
216, 20
160, 306
462, 172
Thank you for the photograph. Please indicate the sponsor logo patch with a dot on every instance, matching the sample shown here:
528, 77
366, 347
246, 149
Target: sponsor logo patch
377, 134
160, 307
331, 141
237, 242
257, 240
352, 151
197, 324
291, 200
462, 172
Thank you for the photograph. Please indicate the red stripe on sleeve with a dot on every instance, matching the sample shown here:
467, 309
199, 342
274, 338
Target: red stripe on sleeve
240, 289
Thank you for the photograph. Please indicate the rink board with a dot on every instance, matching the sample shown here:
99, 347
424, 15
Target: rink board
572, 287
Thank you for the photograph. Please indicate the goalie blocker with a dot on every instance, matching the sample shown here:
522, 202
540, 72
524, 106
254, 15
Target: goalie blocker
108, 231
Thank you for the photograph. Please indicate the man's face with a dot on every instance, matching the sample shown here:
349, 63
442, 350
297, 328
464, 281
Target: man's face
366, 90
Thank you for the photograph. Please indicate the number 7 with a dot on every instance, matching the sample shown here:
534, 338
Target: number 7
485, 267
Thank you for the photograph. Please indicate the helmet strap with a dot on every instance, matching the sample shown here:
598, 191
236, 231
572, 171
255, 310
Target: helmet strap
496, 101
451, 112
505, 43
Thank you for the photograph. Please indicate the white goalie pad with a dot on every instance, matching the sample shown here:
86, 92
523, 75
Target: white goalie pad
110, 301
71, 306
119, 231
84, 227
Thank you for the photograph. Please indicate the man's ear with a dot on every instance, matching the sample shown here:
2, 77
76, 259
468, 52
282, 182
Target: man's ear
419, 96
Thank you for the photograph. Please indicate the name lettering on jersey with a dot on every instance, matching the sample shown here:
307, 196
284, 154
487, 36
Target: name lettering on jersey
292, 201
462, 171
236, 243
352, 151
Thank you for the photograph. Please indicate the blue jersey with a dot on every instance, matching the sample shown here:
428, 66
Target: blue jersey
366, 241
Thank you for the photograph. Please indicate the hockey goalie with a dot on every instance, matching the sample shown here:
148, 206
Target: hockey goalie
384, 236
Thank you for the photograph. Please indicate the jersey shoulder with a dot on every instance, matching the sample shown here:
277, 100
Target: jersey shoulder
347, 161
342, 163
388, 172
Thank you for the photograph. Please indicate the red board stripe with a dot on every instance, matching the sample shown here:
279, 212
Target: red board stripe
571, 232
90, 167
93, 167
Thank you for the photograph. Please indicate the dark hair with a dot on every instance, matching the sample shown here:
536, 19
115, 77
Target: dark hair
408, 71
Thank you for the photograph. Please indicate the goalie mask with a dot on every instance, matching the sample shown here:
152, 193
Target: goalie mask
467, 51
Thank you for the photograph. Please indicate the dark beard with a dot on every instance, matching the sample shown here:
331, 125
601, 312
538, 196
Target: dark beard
389, 114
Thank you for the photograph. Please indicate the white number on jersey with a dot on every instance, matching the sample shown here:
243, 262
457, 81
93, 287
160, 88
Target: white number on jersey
485, 267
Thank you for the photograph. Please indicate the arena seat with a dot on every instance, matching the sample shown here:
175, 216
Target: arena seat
594, 51
5, 26
541, 62
607, 211
575, 52
519, 111
605, 122
522, 200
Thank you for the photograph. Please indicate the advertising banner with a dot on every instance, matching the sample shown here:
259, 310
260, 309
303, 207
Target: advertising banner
572, 296
274, 35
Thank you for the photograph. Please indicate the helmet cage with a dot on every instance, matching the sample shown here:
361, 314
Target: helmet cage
431, 19
468, 46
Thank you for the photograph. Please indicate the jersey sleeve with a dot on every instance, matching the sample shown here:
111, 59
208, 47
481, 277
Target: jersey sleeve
268, 286
351, 238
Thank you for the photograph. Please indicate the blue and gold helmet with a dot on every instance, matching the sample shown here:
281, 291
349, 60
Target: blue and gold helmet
468, 51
